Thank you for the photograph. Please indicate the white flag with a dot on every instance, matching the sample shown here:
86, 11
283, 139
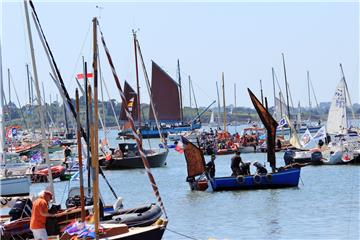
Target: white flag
306, 138
321, 133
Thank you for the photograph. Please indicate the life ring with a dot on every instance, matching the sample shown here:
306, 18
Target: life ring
240, 179
257, 178
269, 177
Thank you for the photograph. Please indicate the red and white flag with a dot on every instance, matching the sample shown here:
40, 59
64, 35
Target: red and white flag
81, 75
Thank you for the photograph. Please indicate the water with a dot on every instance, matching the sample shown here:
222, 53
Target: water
325, 206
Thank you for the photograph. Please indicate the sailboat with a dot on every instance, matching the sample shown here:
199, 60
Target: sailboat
10, 185
287, 176
165, 96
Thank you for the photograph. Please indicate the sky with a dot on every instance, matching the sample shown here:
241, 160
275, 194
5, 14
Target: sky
242, 39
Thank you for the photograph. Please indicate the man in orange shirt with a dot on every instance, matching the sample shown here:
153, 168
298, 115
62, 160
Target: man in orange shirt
39, 213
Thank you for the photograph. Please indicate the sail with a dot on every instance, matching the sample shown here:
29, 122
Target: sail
212, 121
337, 119
294, 139
131, 99
194, 158
270, 125
280, 109
165, 96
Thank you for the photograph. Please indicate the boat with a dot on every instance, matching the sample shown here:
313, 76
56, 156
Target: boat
169, 112
127, 156
10, 185
287, 176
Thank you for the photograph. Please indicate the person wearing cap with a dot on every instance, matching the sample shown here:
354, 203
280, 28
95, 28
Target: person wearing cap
39, 213
235, 164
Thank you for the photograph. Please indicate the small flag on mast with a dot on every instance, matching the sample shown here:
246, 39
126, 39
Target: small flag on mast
81, 75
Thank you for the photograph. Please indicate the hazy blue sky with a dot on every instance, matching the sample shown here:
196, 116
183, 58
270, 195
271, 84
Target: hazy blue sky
244, 40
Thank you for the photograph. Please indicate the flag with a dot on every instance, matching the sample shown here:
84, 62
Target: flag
36, 158
14, 132
179, 147
282, 122
81, 75
130, 104
321, 133
306, 138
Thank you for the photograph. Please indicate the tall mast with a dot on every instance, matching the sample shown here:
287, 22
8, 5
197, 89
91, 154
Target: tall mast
190, 90
28, 80
87, 103
308, 85
9, 87
347, 92
65, 118
180, 91
8, 105
235, 104
261, 92
286, 86
273, 79
193, 93
94, 149
223, 88
41, 109
218, 97
2, 128
137, 81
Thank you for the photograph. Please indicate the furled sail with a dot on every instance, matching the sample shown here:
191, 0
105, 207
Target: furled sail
270, 125
131, 98
165, 96
212, 121
280, 109
337, 119
194, 158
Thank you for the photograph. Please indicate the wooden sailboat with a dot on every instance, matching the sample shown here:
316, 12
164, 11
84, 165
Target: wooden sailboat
287, 176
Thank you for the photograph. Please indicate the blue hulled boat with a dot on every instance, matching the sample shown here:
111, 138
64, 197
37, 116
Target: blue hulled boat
281, 179
201, 174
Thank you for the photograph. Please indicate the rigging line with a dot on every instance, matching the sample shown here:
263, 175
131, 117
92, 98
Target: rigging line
80, 53
181, 234
198, 86
20, 108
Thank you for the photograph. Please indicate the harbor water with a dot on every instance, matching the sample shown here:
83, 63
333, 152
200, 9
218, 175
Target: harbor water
325, 205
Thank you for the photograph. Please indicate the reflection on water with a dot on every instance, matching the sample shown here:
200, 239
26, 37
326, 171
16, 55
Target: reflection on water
326, 206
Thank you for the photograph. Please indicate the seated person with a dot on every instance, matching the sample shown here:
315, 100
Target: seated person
260, 169
245, 168
235, 164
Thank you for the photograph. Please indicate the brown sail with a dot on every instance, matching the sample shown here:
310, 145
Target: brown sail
165, 96
131, 99
194, 158
270, 125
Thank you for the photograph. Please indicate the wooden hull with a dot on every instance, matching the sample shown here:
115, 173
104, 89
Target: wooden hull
286, 178
148, 233
155, 160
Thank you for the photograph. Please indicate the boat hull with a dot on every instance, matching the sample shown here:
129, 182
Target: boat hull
15, 186
155, 160
286, 178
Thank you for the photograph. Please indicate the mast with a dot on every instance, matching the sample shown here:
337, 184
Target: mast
190, 90
347, 92
223, 88
8, 105
286, 87
94, 149
193, 93
28, 80
137, 81
87, 103
218, 97
273, 79
308, 85
2, 128
78, 137
21, 111
261, 92
41, 109
180, 90
235, 104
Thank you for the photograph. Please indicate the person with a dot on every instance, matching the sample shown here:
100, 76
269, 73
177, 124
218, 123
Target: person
67, 154
260, 169
278, 144
39, 213
235, 164
210, 166
245, 168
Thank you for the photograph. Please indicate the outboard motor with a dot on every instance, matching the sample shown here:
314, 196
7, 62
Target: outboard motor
22, 208
316, 157
289, 156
